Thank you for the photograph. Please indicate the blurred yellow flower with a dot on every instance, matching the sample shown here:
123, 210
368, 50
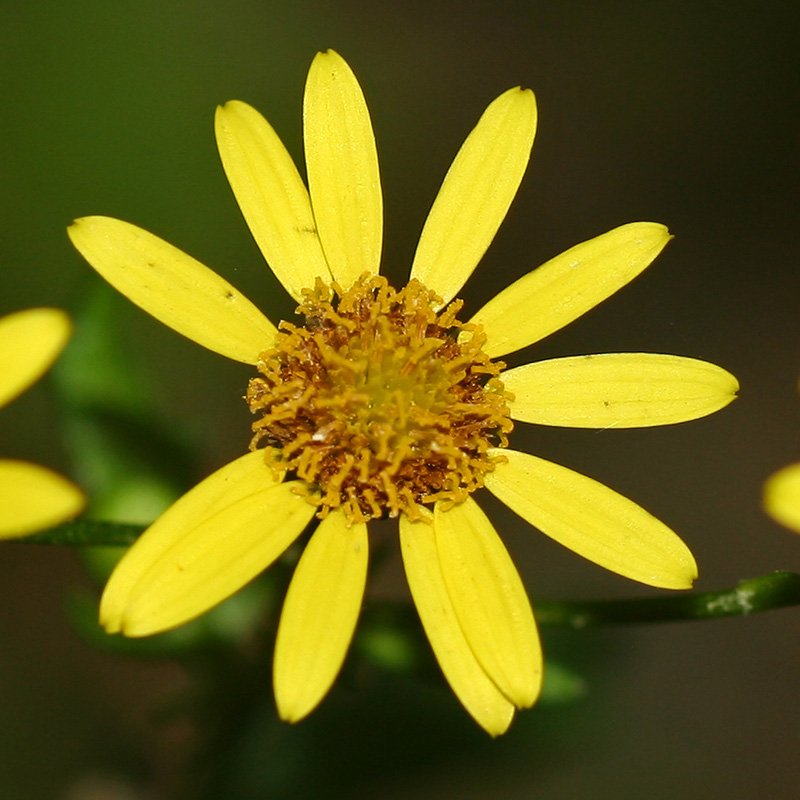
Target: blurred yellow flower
782, 496
381, 403
33, 497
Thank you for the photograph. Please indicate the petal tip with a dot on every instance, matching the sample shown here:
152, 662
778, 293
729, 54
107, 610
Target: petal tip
523, 103
527, 94
328, 59
76, 227
677, 570
528, 686
329, 54
657, 234
110, 621
290, 709
138, 627
733, 384
680, 579
230, 107
497, 725
83, 227
661, 232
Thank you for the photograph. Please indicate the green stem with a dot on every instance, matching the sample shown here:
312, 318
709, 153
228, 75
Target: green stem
86, 533
765, 593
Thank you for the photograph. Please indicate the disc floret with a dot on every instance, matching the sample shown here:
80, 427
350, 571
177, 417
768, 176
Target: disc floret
376, 404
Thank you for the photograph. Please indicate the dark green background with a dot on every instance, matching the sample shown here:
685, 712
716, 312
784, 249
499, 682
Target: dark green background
679, 112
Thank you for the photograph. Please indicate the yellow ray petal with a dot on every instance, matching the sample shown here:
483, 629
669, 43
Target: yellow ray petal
240, 478
203, 548
219, 556
623, 390
319, 615
592, 520
173, 287
489, 600
342, 166
478, 694
552, 296
272, 196
476, 194
34, 498
782, 496
30, 342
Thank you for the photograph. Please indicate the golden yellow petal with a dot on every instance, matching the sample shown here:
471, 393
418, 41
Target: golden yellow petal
552, 296
203, 548
30, 342
319, 615
221, 554
342, 166
478, 694
34, 498
489, 600
173, 287
782, 496
592, 520
618, 390
476, 194
272, 196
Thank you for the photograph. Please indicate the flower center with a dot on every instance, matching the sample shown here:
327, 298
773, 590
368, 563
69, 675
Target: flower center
374, 402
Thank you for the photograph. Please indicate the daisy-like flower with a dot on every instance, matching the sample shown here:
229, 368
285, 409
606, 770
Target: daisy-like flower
381, 403
33, 497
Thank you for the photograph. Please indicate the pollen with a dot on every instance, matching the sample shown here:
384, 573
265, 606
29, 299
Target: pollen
378, 402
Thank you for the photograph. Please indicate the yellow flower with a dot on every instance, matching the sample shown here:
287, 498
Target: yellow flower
782, 496
381, 403
33, 497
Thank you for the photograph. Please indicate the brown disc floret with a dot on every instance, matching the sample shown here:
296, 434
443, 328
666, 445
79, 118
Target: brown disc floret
379, 402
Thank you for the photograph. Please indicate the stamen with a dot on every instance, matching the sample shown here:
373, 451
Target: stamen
377, 404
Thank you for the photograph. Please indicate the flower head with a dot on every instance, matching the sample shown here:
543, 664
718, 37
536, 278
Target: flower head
375, 401
34, 497
381, 403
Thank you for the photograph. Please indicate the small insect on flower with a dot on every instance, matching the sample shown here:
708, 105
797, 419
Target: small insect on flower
381, 402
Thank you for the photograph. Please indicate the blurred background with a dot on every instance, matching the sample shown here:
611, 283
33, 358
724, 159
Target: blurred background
682, 113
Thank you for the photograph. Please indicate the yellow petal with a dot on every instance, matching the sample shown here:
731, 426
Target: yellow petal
782, 496
552, 296
202, 549
478, 694
272, 196
34, 498
319, 615
489, 600
593, 520
30, 342
342, 166
476, 194
622, 390
173, 287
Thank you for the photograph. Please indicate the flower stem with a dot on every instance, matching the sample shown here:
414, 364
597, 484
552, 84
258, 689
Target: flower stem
86, 533
764, 593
